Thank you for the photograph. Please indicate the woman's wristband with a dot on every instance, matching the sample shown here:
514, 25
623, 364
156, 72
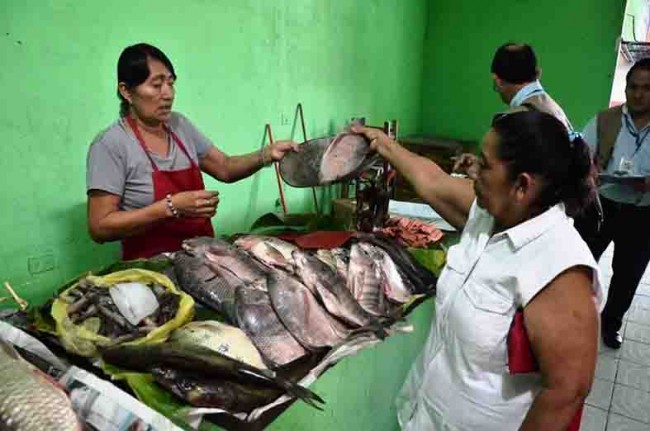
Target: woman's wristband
263, 161
171, 207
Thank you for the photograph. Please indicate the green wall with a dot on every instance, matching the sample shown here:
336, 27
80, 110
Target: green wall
240, 64
574, 41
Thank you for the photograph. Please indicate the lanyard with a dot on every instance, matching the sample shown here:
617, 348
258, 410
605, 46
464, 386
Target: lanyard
533, 89
638, 139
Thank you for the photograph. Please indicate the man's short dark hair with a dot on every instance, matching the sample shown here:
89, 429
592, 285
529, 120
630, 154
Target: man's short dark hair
643, 64
515, 63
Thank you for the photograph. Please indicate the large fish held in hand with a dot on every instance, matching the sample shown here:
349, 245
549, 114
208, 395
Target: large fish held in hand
303, 316
331, 288
257, 318
29, 400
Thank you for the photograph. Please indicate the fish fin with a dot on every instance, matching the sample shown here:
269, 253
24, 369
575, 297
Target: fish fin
305, 395
376, 328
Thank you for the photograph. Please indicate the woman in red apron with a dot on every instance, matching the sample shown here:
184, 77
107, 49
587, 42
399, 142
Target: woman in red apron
144, 178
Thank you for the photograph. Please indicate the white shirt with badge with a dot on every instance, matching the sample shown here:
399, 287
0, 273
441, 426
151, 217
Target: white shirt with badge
631, 155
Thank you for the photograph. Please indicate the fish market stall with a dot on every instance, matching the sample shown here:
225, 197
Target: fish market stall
281, 330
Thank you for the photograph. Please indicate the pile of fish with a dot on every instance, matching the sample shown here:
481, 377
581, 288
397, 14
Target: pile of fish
94, 307
290, 301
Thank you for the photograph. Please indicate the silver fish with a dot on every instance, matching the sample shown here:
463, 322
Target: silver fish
196, 277
230, 258
365, 282
29, 401
336, 258
396, 288
262, 249
303, 316
256, 317
331, 288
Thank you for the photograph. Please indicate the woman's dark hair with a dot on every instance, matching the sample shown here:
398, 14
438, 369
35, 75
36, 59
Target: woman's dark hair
515, 63
537, 143
133, 70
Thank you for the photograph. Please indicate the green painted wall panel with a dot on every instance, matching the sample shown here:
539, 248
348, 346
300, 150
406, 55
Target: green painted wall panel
240, 64
575, 43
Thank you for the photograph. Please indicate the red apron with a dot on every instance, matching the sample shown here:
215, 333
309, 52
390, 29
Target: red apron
168, 234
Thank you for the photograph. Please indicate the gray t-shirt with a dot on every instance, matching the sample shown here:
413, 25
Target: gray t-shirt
117, 164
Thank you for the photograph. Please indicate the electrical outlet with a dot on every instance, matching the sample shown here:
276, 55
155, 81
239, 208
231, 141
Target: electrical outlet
39, 264
284, 120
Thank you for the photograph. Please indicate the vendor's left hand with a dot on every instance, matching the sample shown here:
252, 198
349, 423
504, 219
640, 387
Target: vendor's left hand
279, 149
642, 186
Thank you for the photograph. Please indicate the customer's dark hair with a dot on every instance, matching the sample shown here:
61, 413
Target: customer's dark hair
537, 143
643, 64
515, 63
133, 70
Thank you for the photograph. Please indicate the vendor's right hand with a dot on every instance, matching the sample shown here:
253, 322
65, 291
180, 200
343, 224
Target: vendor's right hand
196, 203
467, 164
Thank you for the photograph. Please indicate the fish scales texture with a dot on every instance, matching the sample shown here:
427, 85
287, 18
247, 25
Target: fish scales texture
28, 400
331, 288
225, 339
365, 280
302, 315
257, 318
197, 278
241, 264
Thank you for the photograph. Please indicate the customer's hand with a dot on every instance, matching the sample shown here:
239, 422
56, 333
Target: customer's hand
375, 136
467, 164
196, 203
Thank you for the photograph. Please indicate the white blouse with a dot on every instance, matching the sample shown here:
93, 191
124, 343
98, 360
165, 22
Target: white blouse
461, 380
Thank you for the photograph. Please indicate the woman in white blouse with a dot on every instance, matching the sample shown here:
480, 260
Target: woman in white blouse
518, 250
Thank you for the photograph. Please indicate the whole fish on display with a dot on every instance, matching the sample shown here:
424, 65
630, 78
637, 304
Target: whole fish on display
29, 400
197, 279
365, 282
331, 288
302, 315
257, 318
211, 364
200, 391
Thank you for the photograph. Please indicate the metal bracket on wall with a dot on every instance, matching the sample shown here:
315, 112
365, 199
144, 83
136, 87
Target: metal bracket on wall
301, 115
268, 133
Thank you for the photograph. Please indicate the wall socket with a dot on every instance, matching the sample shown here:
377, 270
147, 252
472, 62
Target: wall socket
42, 263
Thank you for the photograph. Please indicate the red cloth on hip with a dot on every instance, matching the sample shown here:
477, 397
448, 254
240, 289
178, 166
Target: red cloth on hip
521, 358
167, 235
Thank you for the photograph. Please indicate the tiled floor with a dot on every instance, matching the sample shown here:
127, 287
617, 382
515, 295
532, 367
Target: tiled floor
620, 396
